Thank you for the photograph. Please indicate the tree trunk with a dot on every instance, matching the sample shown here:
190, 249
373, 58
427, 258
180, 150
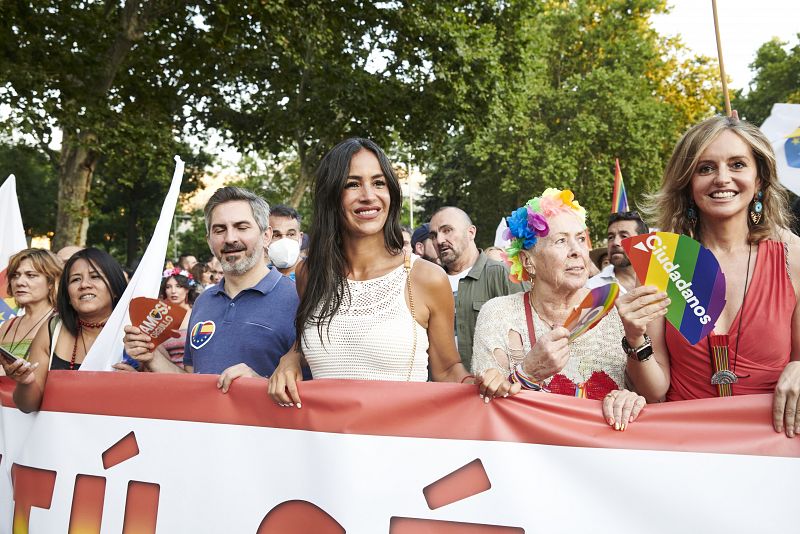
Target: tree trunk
78, 154
76, 167
303, 183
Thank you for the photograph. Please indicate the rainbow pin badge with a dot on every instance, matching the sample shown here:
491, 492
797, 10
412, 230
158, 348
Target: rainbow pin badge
594, 306
689, 274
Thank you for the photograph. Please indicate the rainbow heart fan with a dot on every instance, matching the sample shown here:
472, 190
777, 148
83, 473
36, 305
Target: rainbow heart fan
689, 274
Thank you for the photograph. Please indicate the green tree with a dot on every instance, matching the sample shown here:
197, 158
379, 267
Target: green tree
579, 84
36, 186
776, 79
90, 70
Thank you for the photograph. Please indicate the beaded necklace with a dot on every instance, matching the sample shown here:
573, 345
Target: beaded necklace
81, 325
18, 321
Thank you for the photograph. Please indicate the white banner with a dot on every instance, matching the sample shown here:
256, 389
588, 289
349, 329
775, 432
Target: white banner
171, 454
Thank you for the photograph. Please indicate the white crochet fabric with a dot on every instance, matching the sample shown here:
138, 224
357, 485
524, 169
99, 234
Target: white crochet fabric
598, 349
371, 338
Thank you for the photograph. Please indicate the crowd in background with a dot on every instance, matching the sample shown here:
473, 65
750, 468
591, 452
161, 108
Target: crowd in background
360, 297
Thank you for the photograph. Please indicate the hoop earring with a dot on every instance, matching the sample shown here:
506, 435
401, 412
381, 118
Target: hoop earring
757, 208
691, 213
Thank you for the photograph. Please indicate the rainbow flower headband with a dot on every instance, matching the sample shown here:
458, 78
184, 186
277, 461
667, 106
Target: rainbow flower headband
177, 271
528, 223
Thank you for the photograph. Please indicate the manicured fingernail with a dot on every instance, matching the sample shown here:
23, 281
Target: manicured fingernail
616, 426
480, 395
611, 421
623, 428
299, 405
506, 395
486, 399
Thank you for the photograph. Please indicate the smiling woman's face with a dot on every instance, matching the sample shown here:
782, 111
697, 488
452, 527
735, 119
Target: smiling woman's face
365, 198
88, 290
725, 179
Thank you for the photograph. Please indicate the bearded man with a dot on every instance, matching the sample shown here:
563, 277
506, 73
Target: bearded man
245, 323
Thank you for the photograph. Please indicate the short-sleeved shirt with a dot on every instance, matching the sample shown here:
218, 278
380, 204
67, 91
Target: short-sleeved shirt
256, 327
486, 280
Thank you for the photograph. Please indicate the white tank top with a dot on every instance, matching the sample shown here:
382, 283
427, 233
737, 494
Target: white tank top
370, 338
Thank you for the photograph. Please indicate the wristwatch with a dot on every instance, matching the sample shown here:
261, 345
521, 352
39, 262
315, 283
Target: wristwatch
641, 353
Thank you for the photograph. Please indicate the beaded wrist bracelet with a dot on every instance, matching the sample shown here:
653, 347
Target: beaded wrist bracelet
519, 375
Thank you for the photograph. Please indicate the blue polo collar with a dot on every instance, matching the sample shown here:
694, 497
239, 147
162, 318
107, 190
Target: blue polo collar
264, 286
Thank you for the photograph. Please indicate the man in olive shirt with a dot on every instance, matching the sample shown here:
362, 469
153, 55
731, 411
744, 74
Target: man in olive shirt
474, 277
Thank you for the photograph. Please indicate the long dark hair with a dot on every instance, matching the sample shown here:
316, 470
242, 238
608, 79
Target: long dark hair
113, 278
326, 265
186, 283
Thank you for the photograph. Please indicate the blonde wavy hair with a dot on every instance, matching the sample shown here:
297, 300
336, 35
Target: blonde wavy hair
668, 207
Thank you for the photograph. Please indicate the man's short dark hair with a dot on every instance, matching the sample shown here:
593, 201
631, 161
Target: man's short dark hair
641, 226
282, 210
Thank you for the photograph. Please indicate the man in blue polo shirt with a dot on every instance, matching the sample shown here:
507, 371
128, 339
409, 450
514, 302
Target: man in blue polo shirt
245, 323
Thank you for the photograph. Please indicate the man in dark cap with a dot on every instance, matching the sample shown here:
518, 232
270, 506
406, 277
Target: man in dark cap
422, 244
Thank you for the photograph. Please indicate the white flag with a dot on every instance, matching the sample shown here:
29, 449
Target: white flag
12, 239
782, 128
146, 281
499, 237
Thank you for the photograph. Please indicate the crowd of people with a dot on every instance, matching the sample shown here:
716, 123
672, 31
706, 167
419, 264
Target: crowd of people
360, 297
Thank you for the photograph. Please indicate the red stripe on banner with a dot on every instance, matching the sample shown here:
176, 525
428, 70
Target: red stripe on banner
736, 425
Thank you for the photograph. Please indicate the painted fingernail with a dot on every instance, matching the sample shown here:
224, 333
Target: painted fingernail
299, 405
611, 421
623, 428
291, 404
480, 395
616, 426
486, 399
506, 395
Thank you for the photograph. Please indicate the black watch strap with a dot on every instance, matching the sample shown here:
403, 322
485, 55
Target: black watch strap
641, 353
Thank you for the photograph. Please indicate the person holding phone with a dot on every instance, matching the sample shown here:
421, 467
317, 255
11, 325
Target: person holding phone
91, 285
33, 281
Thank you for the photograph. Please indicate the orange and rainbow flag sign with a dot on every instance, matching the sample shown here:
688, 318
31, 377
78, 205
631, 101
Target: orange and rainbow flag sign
594, 306
688, 272
619, 199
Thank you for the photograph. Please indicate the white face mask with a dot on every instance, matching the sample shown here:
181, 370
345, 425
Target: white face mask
283, 253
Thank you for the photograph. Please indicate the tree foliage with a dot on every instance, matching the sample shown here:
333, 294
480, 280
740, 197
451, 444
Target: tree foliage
36, 186
776, 79
494, 100
577, 84
94, 71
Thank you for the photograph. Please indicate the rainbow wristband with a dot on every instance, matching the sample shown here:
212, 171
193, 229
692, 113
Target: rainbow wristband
519, 375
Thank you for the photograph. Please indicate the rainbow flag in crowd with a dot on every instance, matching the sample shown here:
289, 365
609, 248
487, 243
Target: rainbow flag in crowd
12, 240
619, 199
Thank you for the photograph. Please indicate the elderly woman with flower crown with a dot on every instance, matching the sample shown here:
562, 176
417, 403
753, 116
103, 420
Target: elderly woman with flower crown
521, 335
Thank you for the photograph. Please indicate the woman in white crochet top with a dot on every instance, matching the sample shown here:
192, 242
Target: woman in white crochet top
364, 312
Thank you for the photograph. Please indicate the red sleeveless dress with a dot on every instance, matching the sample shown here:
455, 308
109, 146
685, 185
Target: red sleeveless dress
766, 336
